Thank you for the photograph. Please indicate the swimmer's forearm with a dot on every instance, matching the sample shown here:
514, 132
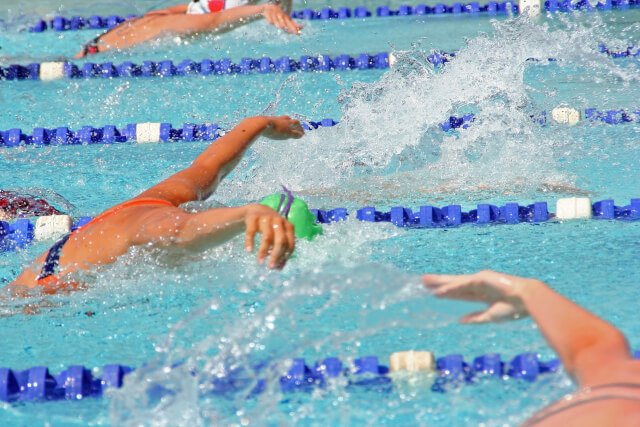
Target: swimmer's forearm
581, 339
229, 18
224, 154
211, 228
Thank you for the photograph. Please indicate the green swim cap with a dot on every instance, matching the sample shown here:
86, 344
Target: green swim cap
296, 211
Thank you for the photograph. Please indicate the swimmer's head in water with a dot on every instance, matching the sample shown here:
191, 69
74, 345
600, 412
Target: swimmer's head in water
296, 211
15, 205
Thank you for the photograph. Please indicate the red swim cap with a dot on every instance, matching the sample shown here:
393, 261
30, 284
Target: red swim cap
216, 5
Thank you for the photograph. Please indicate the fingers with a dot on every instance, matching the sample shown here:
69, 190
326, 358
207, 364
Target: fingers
291, 237
279, 246
267, 239
477, 317
250, 235
291, 25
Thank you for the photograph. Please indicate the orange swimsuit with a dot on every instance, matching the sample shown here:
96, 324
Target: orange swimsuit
48, 277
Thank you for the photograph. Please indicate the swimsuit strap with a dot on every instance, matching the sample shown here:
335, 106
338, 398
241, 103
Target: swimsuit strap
47, 274
127, 204
543, 416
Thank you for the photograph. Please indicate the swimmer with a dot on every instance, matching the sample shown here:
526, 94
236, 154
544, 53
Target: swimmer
154, 218
19, 205
594, 353
187, 19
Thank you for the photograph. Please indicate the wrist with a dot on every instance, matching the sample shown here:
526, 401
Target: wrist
526, 288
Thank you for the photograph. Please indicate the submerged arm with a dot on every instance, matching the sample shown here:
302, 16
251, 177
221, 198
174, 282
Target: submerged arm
200, 231
589, 347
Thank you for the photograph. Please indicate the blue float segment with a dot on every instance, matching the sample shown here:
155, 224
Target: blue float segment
524, 366
77, 23
330, 367
550, 366
39, 26
604, 209
381, 60
96, 22
361, 12
369, 364
308, 63
299, 376
510, 213
485, 214
363, 62
383, 11
405, 10
452, 215
344, 13
343, 62
429, 216
9, 387
422, 9
77, 382
489, 364
451, 365
439, 9
19, 236
539, 212
285, 65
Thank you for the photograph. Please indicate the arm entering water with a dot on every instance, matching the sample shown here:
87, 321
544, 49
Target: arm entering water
199, 180
592, 350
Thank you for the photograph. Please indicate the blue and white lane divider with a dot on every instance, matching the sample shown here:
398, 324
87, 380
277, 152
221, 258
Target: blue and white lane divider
78, 382
47, 71
23, 232
564, 115
165, 132
140, 133
511, 213
60, 23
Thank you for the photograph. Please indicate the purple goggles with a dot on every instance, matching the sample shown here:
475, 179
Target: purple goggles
284, 210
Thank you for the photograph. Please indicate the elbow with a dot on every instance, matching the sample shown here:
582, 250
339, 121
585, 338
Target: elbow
597, 362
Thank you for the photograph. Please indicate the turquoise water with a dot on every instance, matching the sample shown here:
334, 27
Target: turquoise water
355, 291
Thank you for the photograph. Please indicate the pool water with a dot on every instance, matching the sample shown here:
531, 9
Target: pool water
356, 290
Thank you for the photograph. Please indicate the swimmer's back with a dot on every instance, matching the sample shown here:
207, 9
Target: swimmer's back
102, 242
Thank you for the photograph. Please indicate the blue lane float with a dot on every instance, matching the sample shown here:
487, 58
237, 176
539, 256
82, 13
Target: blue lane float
69, 70
453, 215
20, 234
324, 63
612, 117
131, 133
77, 382
491, 8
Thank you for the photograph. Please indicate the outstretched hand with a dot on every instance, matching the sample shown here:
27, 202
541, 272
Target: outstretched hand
277, 17
283, 127
278, 236
501, 291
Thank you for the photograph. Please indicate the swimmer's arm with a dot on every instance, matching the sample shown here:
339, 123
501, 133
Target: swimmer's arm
200, 231
589, 347
198, 181
230, 18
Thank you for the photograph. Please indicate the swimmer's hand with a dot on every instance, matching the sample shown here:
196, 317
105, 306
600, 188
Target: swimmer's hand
283, 127
277, 17
277, 235
501, 291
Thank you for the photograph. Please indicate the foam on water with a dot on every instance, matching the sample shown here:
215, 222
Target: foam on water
389, 132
